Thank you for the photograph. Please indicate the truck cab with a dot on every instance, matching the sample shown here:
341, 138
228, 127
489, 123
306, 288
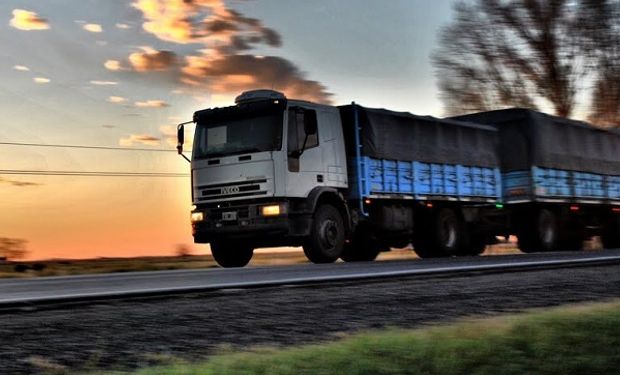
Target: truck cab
260, 169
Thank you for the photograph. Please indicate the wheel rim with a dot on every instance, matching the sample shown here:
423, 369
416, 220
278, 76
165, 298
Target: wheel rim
329, 234
546, 230
448, 232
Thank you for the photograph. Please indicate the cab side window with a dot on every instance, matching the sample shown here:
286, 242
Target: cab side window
296, 129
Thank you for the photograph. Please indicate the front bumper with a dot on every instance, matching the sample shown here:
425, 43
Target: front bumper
245, 221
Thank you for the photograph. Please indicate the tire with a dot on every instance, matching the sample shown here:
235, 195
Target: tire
540, 234
611, 233
364, 246
571, 239
326, 241
442, 238
231, 254
473, 244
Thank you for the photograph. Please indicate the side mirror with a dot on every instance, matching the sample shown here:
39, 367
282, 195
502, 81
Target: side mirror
180, 138
310, 123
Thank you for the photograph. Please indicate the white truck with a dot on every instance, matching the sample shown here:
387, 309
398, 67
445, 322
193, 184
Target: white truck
348, 182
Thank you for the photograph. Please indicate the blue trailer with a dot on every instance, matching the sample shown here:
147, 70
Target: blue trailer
560, 178
421, 179
460, 182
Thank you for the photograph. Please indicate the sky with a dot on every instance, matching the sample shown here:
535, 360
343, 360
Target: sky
120, 74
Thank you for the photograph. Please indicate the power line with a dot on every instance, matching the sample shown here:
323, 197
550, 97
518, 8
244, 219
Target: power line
86, 147
90, 174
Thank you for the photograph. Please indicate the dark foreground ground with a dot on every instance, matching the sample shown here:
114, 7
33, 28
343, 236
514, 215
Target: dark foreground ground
129, 334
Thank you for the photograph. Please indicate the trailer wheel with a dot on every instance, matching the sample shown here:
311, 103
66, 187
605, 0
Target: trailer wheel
539, 234
364, 246
611, 233
474, 243
229, 254
442, 238
326, 241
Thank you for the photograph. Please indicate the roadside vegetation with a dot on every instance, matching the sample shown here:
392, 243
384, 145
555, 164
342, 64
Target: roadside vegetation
582, 339
63, 267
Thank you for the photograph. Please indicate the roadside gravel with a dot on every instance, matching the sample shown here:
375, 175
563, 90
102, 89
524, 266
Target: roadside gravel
123, 335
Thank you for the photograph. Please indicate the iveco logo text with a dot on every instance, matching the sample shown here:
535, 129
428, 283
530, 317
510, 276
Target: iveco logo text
230, 189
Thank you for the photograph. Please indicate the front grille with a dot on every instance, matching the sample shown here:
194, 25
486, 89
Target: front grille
232, 189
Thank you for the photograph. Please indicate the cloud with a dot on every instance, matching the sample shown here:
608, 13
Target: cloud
152, 60
117, 99
204, 22
145, 139
41, 80
17, 183
224, 64
241, 72
26, 20
113, 65
103, 83
169, 133
21, 68
92, 27
151, 104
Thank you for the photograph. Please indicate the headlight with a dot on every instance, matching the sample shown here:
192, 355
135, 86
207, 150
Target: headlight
197, 216
271, 210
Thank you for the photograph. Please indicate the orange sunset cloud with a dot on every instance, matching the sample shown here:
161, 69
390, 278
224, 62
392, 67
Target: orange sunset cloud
219, 67
152, 60
145, 139
26, 20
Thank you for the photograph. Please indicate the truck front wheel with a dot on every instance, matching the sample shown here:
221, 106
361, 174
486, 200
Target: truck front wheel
326, 240
229, 254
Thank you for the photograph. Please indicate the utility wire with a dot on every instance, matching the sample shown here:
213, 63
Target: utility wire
90, 174
86, 147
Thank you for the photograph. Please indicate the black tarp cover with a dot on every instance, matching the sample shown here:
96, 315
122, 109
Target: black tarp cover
403, 136
529, 138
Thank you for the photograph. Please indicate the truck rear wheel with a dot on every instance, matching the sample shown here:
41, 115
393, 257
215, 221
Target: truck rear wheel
229, 254
540, 234
363, 248
326, 241
442, 238
474, 243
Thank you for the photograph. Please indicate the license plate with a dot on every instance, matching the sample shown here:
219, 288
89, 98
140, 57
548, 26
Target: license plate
228, 216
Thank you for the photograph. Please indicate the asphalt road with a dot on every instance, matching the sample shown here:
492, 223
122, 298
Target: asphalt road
100, 286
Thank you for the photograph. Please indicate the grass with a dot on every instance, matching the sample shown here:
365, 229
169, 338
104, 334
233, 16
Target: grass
583, 339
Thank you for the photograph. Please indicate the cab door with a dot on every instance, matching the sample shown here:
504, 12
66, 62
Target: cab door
304, 156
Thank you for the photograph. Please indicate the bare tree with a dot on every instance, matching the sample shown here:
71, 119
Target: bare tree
12, 248
600, 25
528, 53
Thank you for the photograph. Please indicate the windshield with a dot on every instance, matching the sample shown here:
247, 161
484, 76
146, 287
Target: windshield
238, 136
